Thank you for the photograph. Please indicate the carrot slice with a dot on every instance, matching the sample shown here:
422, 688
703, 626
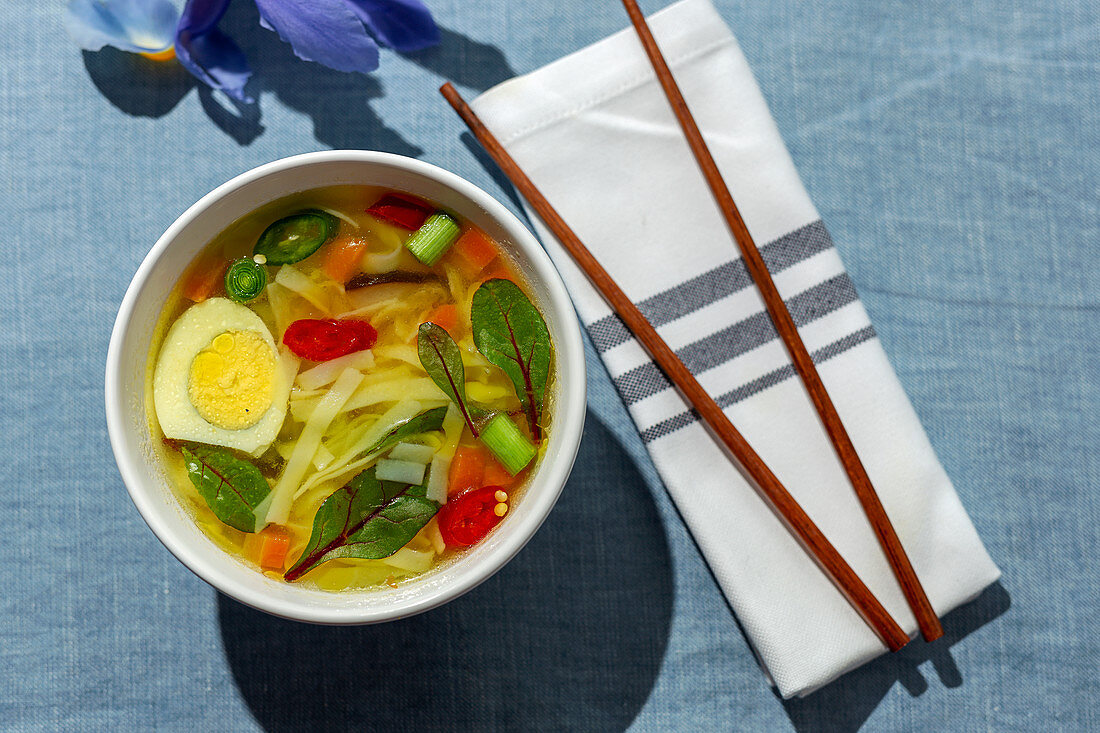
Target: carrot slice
467, 469
495, 475
476, 248
445, 316
498, 271
273, 543
204, 278
342, 258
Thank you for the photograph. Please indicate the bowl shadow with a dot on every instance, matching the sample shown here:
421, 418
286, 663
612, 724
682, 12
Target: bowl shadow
569, 635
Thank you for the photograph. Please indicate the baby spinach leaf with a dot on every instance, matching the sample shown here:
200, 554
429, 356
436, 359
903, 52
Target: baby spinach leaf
510, 332
442, 360
367, 519
231, 487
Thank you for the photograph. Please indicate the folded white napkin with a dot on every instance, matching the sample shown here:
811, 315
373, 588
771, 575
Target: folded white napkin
595, 133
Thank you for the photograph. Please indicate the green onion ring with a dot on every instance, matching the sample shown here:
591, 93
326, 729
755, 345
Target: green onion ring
245, 280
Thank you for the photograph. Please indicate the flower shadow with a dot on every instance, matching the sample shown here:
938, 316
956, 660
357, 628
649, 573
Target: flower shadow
136, 85
338, 103
464, 61
569, 636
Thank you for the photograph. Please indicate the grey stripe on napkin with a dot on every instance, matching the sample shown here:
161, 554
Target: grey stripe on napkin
758, 385
713, 285
728, 343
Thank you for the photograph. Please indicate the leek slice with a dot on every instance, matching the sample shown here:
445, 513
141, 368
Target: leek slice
413, 452
437, 479
403, 472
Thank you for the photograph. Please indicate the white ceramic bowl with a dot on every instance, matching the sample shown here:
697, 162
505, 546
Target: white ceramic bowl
129, 353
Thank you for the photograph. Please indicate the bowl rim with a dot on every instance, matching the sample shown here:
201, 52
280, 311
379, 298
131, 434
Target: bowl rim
569, 412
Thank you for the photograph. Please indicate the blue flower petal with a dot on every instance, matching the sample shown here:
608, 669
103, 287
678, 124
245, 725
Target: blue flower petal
138, 26
405, 25
325, 31
210, 55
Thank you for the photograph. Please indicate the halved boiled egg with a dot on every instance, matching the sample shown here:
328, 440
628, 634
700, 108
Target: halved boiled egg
220, 378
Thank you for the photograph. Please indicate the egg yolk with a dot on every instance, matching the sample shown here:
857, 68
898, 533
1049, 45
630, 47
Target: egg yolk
231, 380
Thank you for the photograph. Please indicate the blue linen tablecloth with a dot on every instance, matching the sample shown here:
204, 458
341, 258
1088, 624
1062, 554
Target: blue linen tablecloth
953, 151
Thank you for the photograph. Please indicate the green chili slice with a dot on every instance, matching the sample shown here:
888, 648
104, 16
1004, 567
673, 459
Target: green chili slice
295, 237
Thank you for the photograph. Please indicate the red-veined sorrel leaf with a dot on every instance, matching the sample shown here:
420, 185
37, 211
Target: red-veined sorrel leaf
231, 487
442, 360
368, 519
510, 332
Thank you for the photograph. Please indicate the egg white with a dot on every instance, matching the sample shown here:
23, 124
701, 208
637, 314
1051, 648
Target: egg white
191, 333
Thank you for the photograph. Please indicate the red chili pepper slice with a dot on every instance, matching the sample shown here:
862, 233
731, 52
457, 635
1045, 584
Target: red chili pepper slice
322, 340
467, 518
404, 211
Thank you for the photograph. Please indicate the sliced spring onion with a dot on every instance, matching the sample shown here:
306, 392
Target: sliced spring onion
405, 472
245, 280
437, 479
310, 439
508, 444
295, 237
433, 238
412, 452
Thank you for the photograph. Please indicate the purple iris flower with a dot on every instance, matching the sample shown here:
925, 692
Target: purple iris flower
340, 34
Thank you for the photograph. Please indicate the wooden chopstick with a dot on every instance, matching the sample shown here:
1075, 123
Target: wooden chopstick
796, 519
927, 620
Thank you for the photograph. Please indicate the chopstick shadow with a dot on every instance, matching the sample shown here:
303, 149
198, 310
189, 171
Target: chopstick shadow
494, 171
339, 104
847, 703
568, 636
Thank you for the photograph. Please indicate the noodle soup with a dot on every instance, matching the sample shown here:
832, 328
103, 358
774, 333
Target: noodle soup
350, 386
